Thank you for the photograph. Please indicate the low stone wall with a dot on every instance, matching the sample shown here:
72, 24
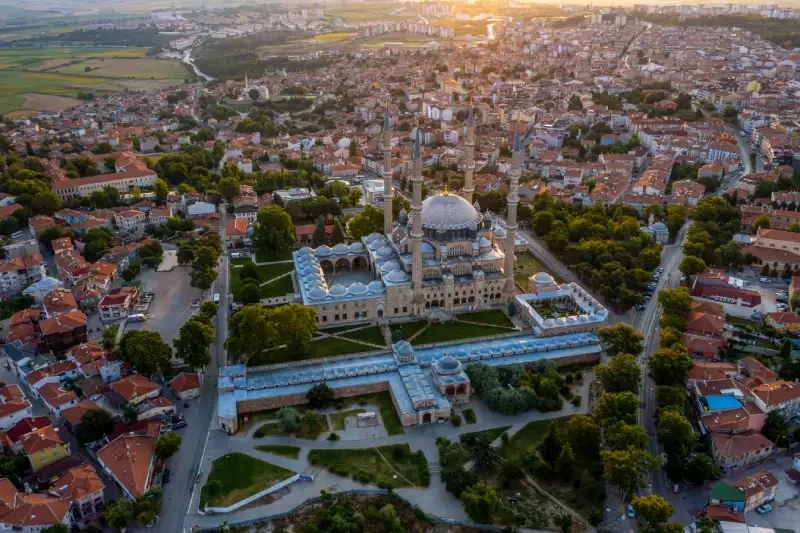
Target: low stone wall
262, 404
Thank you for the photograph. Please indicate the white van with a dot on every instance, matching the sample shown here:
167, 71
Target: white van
216, 298
137, 317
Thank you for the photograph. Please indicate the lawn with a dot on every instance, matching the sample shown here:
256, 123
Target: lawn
338, 418
278, 287
377, 466
527, 439
493, 433
522, 281
407, 329
388, 413
469, 416
240, 476
336, 329
282, 450
491, 316
159, 69
327, 347
271, 429
240, 260
268, 272
305, 431
266, 257
527, 261
372, 335
453, 331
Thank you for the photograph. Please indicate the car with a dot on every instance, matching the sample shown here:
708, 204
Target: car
177, 418
180, 424
640, 307
631, 514
742, 134
137, 317
165, 476
763, 280
763, 509
660, 269
196, 302
216, 298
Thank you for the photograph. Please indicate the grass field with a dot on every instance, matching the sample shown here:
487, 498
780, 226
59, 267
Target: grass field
378, 466
493, 433
491, 316
331, 37
327, 347
453, 331
127, 68
337, 419
240, 476
266, 257
372, 335
407, 329
278, 287
282, 450
385, 405
527, 439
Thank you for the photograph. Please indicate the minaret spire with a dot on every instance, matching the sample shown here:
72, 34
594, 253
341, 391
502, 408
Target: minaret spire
388, 194
511, 219
469, 152
418, 298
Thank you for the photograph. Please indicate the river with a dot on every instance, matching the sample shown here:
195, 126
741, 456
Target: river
187, 59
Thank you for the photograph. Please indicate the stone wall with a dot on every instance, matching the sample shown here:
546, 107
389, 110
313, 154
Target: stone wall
262, 404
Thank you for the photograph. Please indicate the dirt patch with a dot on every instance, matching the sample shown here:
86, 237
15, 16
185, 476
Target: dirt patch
20, 113
48, 102
51, 64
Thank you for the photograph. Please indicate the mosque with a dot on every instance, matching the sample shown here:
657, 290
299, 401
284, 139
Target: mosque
444, 256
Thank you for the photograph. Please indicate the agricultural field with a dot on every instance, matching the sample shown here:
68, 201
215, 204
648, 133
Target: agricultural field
49, 79
350, 13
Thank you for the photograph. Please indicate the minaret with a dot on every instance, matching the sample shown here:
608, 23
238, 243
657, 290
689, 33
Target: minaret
416, 228
511, 219
387, 174
469, 150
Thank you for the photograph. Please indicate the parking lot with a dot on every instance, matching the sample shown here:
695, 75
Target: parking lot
171, 305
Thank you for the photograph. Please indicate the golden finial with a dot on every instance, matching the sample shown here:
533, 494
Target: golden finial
445, 192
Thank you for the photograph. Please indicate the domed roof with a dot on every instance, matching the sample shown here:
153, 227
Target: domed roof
310, 269
500, 232
385, 251
396, 276
403, 348
249, 231
322, 251
375, 286
357, 288
448, 365
543, 278
341, 249
356, 247
660, 226
448, 211
388, 266
376, 244
304, 250
317, 293
426, 247
371, 237
485, 242
337, 290
315, 283
311, 277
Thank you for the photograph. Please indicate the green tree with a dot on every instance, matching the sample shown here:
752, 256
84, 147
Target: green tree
146, 351
95, 424
669, 336
675, 433
57, 528
616, 407
552, 442
249, 270
45, 203
701, 469
626, 469
48, 235
583, 434
480, 502
103, 148
670, 395
250, 294
620, 338
762, 221
786, 350
320, 396
691, 266
575, 103
338, 232
130, 413
118, 514
370, 220
652, 511
776, 429
288, 419
255, 330
274, 230
193, 342
676, 304
319, 237
565, 463
669, 366
621, 374
228, 188
209, 309
161, 189
484, 456
167, 445
621, 436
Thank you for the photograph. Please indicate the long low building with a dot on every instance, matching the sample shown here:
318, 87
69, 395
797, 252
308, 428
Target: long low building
128, 173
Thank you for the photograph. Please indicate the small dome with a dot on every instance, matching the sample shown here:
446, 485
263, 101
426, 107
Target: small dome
376, 244
582, 319
357, 288
315, 283
448, 365
310, 269
403, 348
312, 276
337, 290
317, 293
549, 322
543, 279
560, 322
485, 242
371, 237
388, 266
500, 233
356, 248
572, 320
396, 276
376, 286
340, 249
426, 248
660, 226
322, 251
385, 251
305, 250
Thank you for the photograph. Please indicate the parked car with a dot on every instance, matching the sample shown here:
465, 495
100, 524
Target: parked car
640, 307
137, 317
763, 509
631, 514
180, 424
165, 476
763, 280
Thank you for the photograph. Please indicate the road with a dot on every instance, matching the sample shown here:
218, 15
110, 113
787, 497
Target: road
744, 147
630, 45
185, 464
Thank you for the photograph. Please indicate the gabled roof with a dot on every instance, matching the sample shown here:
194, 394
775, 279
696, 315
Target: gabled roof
129, 459
41, 439
185, 381
63, 324
74, 413
727, 493
78, 482
135, 385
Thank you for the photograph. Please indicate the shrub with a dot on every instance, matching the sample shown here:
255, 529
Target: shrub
569, 379
564, 390
338, 403
456, 420
425, 478
504, 437
333, 436
362, 401
531, 462
469, 416
576, 400
595, 516
398, 453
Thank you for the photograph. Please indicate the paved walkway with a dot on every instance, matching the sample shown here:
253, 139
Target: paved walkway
434, 499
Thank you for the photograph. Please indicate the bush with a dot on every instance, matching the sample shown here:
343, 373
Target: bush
338, 403
398, 453
576, 400
342, 471
456, 420
595, 516
425, 478
531, 462
333, 436
362, 401
569, 379
320, 395
469, 416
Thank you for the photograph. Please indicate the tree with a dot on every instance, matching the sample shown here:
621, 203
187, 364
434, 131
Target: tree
669, 336
167, 445
228, 188
338, 232
620, 338
484, 456
625, 469
146, 351
319, 237
48, 235
691, 266
653, 511
208, 309
250, 294
575, 103
103, 148
676, 435
249, 270
550, 447
676, 303
776, 429
616, 407
204, 271
621, 374
370, 220
288, 419
95, 424
118, 514
193, 342
320, 396
146, 506
670, 395
273, 230
565, 464
45, 203
701, 469
669, 366
57, 528
130, 413
762, 221
255, 330
98, 242
151, 253
621, 436
161, 189
786, 349
480, 502
583, 434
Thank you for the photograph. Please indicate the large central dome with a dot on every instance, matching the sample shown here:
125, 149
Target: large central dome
449, 211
